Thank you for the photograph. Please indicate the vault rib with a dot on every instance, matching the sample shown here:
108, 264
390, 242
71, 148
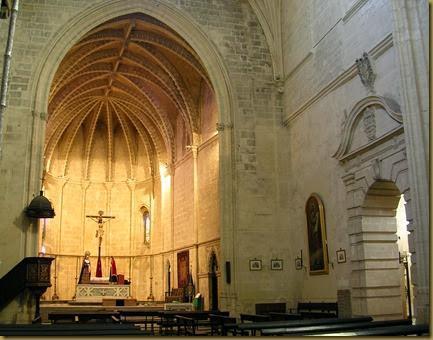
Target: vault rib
56, 119
53, 141
91, 135
150, 125
162, 115
171, 70
144, 136
99, 53
110, 130
128, 140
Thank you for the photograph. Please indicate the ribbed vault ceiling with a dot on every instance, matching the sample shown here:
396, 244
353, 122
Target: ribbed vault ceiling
132, 75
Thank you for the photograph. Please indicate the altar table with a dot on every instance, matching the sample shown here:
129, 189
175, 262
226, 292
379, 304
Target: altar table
97, 292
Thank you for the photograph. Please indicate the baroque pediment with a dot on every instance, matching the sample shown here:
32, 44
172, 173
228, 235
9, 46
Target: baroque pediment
372, 120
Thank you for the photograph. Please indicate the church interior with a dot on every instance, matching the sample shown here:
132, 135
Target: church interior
199, 167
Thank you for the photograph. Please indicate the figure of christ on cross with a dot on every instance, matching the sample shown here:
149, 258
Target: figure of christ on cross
100, 219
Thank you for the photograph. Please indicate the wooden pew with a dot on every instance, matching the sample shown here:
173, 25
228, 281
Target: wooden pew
202, 323
145, 317
217, 322
73, 329
254, 318
284, 316
315, 310
168, 322
83, 316
197, 325
419, 330
252, 327
317, 329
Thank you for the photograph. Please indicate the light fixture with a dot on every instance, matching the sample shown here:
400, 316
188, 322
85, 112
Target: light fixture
40, 207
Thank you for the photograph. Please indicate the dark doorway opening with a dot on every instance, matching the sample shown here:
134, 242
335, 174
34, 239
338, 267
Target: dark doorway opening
213, 282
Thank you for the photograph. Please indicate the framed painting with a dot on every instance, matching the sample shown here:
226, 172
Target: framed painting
255, 265
341, 256
316, 229
276, 264
182, 268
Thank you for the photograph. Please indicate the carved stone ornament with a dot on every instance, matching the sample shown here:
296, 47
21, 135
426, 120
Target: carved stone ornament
363, 117
365, 72
369, 120
222, 126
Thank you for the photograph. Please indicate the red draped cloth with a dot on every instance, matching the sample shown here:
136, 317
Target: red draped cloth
113, 270
99, 268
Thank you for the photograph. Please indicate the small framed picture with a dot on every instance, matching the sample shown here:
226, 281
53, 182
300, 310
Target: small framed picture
341, 256
276, 264
255, 265
298, 263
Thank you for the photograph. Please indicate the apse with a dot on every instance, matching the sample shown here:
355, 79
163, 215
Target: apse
131, 128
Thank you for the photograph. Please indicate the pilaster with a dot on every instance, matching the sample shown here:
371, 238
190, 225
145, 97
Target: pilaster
411, 43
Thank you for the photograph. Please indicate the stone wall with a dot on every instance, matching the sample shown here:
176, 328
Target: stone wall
321, 42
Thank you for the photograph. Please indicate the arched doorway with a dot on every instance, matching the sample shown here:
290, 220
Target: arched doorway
380, 273
213, 282
375, 175
168, 277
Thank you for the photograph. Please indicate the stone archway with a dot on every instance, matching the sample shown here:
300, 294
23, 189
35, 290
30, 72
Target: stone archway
182, 24
376, 273
373, 155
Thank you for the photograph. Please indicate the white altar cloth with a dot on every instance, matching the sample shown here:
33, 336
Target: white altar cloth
95, 292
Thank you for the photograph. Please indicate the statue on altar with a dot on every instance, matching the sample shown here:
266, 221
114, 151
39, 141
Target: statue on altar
85, 269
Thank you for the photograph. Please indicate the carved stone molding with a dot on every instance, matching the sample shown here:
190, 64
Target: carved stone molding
365, 72
369, 120
369, 109
223, 126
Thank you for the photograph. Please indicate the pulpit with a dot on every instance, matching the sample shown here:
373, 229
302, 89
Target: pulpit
32, 273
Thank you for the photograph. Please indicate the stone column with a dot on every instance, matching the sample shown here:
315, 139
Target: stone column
227, 190
411, 42
84, 186
108, 187
62, 181
170, 171
131, 185
196, 210
34, 170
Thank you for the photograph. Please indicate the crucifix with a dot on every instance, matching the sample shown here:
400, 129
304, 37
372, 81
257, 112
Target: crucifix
100, 219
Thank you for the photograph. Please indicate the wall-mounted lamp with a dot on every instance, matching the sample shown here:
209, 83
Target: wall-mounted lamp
299, 262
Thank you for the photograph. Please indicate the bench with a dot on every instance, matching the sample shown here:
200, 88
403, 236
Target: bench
419, 330
334, 327
168, 321
284, 316
82, 316
217, 322
144, 317
254, 317
266, 308
73, 329
316, 310
190, 325
252, 327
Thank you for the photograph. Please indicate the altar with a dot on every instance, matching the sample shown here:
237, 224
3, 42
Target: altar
97, 292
